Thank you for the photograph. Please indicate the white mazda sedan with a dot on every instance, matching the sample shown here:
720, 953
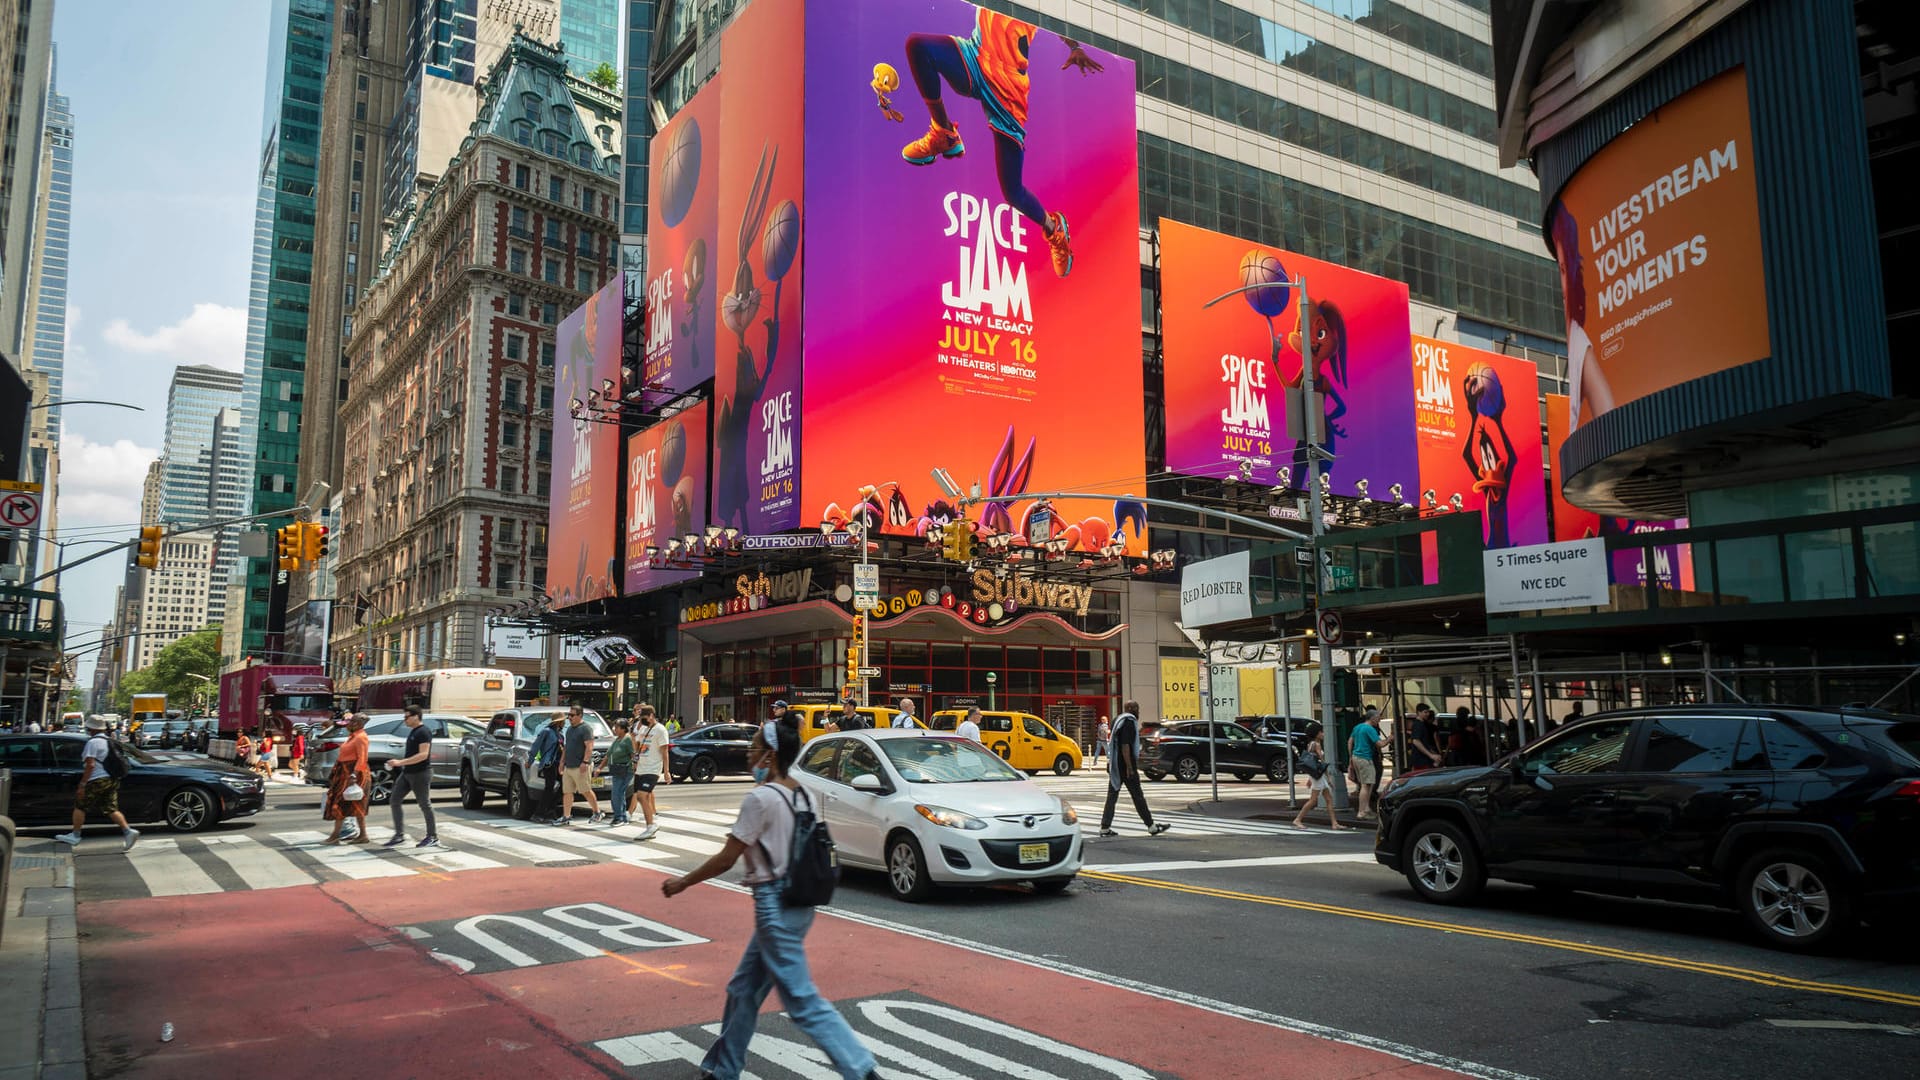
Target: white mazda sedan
937, 810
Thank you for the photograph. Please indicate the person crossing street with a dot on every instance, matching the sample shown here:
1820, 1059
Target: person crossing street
544, 757
1123, 769
576, 768
412, 773
99, 789
649, 766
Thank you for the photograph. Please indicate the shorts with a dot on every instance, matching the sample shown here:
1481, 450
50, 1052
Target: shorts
576, 780
1321, 783
645, 781
1363, 773
101, 796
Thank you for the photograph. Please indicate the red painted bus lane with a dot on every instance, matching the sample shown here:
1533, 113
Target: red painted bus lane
590, 972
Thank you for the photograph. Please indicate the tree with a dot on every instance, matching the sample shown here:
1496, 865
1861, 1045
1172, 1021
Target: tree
170, 673
604, 77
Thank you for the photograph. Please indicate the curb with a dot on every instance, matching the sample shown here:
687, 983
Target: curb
41, 959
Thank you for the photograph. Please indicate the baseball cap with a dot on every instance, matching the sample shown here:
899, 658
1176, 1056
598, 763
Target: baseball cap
780, 704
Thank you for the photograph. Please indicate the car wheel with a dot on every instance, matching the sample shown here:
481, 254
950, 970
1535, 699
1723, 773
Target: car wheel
519, 799
1277, 769
1003, 750
382, 786
907, 869
1245, 775
1063, 766
1187, 769
1441, 864
1155, 774
1792, 898
1052, 885
472, 795
702, 770
189, 810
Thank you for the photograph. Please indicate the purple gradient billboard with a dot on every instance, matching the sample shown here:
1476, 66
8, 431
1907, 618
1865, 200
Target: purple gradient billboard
583, 564
666, 494
683, 243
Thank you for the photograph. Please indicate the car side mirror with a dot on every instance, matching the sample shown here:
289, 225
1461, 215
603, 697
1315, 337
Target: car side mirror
870, 784
502, 734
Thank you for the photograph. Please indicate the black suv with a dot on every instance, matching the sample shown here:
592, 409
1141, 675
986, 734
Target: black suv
1800, 818
1180, 747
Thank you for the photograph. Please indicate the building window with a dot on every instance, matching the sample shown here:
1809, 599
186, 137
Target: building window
353, 232
353, 203
362, 84
552, 271
546, 398
516, 303
353, 264
549, 313
586, 199
506, 530
546, 354
522, 177
510, 436
503, 576
509, 479
349, 296
546, 481
358, 169
513, 346
510, 393
517, 223
359, 144
553, 232
556, 189
360, 110
583, 279
516, 261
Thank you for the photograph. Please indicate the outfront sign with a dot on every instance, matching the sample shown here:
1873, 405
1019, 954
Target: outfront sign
1216, 590
1542, 576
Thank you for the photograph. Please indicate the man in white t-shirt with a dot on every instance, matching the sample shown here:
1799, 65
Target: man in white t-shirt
970, 727
99, 790
905, 719
650, 746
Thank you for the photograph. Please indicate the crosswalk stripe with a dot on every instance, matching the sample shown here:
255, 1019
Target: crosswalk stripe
501, 843
350, 861
167, 871
452, 860
626, 852
259, 865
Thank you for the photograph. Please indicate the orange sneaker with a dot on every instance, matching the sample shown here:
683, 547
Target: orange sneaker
1057, 240
938, 142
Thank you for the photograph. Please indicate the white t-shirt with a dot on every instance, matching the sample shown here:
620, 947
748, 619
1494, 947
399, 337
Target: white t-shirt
650, 751
904, 720
766, 818
968, 730
96, 751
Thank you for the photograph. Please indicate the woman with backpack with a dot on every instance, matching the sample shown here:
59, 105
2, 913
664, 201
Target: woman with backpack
776, 953
1314, 761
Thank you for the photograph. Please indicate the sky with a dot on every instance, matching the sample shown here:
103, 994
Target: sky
167, 101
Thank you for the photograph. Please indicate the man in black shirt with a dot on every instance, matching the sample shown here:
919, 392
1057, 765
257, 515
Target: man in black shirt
411, 774
1422, 741
850, 718
1123, 769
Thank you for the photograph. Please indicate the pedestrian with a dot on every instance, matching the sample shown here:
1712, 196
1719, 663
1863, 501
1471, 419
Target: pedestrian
1363, 756
33, 726
263, 764
620, 770
243, 751
850, 718
1314, 761
1123, 768
777, 712
970, 725
1575, 715
673, 725
544, 757
298, 763
905, 719
412, 772
1421, 750
576, 768
775, 955
99, 789
650, 766
1102, 738
349, 784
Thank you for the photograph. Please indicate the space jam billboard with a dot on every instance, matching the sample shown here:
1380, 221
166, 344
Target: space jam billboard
948, 197
683, 241
583, 564
666, 496
1478, 428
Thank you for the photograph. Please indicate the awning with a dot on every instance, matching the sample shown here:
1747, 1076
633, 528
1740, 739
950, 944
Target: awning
824, 618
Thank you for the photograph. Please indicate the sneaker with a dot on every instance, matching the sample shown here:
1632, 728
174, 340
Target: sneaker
619, 821
938, 142
648, 833
398, 839
1058, 240
431, 841
1108, 832
71, 839
1158, 828
564, 823
132, 837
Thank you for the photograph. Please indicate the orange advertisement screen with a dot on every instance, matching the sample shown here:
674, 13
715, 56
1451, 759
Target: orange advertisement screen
1479, 441
1658, 240
1569, 521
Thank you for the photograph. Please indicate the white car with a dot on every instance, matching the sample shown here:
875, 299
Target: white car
937, 810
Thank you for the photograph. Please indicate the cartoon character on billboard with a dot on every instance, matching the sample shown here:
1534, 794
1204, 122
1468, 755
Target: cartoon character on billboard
1329, 330
1489, 451
778, 230
1588, 391
990, 66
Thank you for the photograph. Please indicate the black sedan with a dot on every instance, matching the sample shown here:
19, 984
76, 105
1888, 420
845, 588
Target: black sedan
702, 753
1180, 748
189, 796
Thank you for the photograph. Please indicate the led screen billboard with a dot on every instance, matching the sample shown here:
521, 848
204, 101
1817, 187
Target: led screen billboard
1671, 565
1228, 366
1658, 241
666, 494
1478, 430
973, 284
582, 564
683, 242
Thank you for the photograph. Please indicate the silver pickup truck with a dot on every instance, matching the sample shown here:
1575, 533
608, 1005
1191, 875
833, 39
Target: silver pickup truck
496, 761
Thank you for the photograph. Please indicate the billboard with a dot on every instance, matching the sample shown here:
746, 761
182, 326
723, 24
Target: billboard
757, 324
582, 565
973, 298
683, 244
1478, 431
1658, 241
1671, 566
1228, 366
666, 493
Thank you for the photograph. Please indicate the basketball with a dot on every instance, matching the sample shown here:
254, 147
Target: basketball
679, 176
683, 499
673, 453
1263, 268
782, 240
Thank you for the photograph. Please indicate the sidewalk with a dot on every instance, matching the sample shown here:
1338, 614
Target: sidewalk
1266, 801
40, 1033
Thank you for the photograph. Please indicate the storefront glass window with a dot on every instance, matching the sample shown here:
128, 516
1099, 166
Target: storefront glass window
949, 656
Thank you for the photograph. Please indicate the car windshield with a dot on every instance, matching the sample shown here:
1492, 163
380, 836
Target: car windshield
945, 761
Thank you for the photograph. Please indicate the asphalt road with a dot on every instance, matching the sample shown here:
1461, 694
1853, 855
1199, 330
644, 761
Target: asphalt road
1225, 920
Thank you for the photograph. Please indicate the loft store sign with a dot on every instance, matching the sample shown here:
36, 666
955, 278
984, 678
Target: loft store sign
1016, 591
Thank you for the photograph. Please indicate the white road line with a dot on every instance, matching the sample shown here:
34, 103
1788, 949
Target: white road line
581, 840
351, 861
496, 841
1227, 864
167, 871
452, 860
260, 866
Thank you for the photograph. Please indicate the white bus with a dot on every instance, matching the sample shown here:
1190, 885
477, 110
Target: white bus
475, 692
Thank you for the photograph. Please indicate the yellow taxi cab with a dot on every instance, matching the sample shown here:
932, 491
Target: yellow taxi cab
1027, 742
814, 718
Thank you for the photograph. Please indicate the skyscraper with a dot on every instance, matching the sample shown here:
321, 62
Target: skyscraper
228, 473
195, 399
45, 347
639, 130
25, 70
590, 29
298, 41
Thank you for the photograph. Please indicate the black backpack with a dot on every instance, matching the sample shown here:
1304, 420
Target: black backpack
116, 763
812, 867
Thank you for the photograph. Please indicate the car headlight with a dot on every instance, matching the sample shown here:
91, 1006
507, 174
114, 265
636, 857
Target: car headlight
1067, 813
952, 819
241, 783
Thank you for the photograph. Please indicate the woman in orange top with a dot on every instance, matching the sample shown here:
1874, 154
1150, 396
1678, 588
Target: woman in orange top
243, 750
350, 767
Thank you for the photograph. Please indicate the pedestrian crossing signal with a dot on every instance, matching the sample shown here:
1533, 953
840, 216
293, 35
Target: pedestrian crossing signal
148, 555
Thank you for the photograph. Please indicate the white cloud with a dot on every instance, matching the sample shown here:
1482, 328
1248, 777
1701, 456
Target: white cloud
100, 482
211, 334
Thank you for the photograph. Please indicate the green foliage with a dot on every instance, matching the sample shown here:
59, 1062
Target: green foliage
604, 77
171, 672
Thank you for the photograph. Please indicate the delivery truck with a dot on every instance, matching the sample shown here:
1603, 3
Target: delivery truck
273, 696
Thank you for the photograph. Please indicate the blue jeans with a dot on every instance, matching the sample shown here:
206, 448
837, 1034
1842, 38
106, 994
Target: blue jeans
776, 956
621, 782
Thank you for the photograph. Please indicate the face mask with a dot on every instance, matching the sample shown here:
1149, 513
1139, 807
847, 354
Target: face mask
760, 774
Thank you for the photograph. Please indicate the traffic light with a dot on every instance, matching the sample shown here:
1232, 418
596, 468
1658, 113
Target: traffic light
313, 542
853, 650
287, 546
956, 543
148, 557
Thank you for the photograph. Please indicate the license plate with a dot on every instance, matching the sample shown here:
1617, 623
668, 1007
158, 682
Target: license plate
1035, 853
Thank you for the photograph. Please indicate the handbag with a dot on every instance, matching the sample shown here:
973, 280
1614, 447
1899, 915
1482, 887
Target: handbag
353, 792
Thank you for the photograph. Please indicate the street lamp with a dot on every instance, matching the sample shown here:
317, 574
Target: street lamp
993, 677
